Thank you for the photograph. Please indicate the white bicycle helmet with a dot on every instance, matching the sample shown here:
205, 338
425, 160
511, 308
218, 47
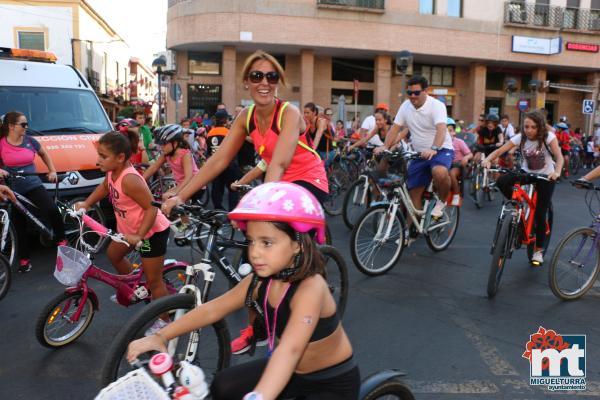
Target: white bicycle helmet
168, 133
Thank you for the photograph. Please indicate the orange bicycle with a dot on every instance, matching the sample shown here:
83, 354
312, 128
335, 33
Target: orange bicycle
516, 224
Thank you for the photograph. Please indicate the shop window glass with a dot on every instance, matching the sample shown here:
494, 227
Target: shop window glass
427, 6
455, 8
32, 40
204, 63
348, 69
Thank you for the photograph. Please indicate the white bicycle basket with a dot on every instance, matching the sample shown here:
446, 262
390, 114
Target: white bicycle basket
136, 385
71, 264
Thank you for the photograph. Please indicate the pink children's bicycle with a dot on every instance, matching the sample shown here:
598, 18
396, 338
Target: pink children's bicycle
66, 317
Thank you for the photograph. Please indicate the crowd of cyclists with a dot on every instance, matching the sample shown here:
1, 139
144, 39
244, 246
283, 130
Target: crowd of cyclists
289, 149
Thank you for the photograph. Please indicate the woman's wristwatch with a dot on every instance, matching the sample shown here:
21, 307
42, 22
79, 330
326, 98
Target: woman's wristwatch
253, 396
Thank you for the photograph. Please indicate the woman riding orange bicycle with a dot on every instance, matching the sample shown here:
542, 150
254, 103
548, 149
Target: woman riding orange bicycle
541, 155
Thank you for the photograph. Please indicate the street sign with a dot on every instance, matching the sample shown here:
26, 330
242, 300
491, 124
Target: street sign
588, 106
175, 92
523, 105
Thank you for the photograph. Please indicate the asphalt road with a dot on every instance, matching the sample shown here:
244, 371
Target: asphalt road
429, 317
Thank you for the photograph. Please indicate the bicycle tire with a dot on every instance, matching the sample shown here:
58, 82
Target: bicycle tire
477, 190
11, 245
5, 276
53, 309
136, 327
160, 186
549, 221
498, 256
72, 227
371, 237
574, 164
336, 273
333, 204
351, 215
389, 388
553, 275
174, 277
451, 213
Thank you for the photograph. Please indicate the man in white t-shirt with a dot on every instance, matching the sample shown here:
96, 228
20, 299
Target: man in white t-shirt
508, 130
425, 117
369, 124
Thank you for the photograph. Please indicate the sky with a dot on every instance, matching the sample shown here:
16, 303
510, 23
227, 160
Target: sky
141, 23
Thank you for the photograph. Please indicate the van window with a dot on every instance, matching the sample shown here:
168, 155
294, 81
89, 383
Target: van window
52, 110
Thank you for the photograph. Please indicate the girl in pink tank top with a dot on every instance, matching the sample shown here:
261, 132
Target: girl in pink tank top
137, 219
176, 152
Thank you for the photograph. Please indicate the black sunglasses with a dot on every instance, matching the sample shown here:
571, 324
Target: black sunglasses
257, 77
23, 125
413, 92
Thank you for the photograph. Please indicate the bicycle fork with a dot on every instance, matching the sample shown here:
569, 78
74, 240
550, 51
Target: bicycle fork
386, 222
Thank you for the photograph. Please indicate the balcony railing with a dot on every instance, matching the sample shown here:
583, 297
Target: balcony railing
369, 5
552, 17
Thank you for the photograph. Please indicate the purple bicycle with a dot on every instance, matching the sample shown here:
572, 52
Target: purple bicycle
66, 317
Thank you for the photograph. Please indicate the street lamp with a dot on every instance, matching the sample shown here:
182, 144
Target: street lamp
157, 66
404, 60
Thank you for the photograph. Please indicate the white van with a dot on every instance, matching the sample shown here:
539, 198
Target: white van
63, 112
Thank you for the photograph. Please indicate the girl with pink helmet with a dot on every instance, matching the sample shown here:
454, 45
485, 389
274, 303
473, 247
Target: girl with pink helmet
313, 357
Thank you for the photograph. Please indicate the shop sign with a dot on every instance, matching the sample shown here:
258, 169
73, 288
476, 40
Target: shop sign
531, 45
586, 47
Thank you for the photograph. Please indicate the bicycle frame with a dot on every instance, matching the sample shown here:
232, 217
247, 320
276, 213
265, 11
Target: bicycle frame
526, 216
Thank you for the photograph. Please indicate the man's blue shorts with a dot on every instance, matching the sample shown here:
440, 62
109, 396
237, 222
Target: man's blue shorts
419, 171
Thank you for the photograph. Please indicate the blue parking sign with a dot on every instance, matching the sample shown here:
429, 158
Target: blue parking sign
588, 106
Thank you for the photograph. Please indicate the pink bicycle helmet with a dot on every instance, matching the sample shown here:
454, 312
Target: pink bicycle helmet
282, 202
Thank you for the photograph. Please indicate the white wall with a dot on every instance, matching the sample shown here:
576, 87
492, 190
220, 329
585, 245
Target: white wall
117, 52
57, 20
483, 10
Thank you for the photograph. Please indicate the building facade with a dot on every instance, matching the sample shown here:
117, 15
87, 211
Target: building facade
79, 36
479, 55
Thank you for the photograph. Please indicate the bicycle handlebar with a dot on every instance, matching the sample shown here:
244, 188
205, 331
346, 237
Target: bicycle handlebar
582, 184
520, 173
97, 226
218, 217
409, 155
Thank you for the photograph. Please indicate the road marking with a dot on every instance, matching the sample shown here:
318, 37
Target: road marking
443, 387
488, 352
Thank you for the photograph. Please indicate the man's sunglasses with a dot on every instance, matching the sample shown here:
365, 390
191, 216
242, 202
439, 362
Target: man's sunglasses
23, 125
413, 92
257, 77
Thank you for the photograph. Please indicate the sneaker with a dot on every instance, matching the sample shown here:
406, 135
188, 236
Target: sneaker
243, 343
538, 258
24, 265
156, 326
113, 298
438, 209
456, 200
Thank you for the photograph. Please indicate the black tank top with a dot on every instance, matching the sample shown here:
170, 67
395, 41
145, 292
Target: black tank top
325, 327
325, 144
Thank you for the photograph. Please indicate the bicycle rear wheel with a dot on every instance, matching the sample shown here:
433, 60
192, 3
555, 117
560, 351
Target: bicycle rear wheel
208, 348
5, 276
161, 186
372, 253
499, 256
11, 245
356, 202
337, 276
338, 180
575, 264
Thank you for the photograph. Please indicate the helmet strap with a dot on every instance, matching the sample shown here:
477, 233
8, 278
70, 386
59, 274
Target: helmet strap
172, 152
287, 273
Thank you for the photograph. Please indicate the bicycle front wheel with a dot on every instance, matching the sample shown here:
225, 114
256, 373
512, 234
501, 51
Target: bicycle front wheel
337, 276
373, 250
575, 264
499, 256
11, 245
207, 348
55, 326
356, 202
441, 232
5, 276
337, 182
392, 389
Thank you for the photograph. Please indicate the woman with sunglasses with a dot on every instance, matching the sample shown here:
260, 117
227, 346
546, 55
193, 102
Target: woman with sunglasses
279, 134
17, 152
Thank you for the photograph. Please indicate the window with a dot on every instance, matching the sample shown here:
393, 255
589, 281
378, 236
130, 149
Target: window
542, 12
455, 8
595, 5
32, 40
203, 99
204, 63
570, 14
494, 81
595, 15
427, 6
348, 69
436, 75
365, 97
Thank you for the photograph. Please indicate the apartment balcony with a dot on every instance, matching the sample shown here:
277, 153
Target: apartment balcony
519, 13
376, 6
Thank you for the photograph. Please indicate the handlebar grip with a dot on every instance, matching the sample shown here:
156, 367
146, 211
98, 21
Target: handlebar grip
94, 225
156, 204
